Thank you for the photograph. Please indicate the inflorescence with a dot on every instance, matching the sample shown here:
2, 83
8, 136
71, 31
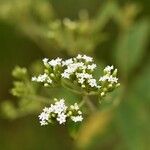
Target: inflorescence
78, 72
60, 112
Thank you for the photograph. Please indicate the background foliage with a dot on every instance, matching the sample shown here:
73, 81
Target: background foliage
113, 32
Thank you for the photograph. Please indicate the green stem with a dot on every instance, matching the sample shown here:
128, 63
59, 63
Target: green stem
39, 98
81, 103
89, 103
70, 89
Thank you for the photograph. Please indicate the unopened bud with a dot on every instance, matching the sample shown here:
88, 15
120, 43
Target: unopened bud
115, 73
103, 94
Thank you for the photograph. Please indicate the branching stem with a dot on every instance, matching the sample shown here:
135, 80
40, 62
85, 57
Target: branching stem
89, 103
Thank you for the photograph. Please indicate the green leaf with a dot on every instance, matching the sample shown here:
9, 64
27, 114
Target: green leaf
8, 110
107, 12
96, 124
133, 115
131, 47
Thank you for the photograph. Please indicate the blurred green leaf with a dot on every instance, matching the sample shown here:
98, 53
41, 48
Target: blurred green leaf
8, 110
134, 113
130, 47
95, 124
107, 12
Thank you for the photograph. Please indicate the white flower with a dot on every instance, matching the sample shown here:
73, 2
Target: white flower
46, 109
113, 79
87, 58
67, 62
92, 82
79, 56
43, 122
104, 78
65, 75
74, 107
44, 116
71, 69
55, 62
83, 75
77, 118
109, 68
81, 80
80, 112
49, 80
45, 61
91, 67
40, 78
34, 79
61, 118
109, 78
59, 107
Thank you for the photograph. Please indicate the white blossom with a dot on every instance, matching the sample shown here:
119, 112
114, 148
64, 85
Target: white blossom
104, 78
113, 79
59, 107
81, 80
55, 62
65, 75
61, 118
58, 111
92, 82
87, 58
74, 107
45, 61
43, 122
109, 68
44, 116
49, 80
40, 78
77, 118
91, 67
67, 62
79, 56
80, 112
83, 75
109, 78
72, 68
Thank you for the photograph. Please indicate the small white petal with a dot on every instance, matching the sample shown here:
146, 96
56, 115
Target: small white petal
77, 118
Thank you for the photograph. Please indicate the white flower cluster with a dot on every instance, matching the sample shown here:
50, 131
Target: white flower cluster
108, 76
108, 81
42, 78
52, 72
60, 112
78, 70
81, 70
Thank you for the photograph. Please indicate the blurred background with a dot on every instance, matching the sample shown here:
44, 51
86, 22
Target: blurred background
113, 32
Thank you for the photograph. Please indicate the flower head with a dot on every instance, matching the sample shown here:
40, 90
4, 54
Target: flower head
77, 118
79, 71
60, 113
